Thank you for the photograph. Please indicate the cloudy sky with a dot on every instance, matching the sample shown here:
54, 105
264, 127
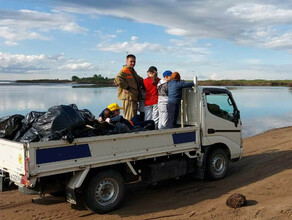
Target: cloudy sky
212, 39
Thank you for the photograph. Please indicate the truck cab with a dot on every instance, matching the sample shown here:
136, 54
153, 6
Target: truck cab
214, 110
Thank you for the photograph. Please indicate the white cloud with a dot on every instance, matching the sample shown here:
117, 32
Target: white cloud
77, 66
214, 76
18, 34
20, 63
252, 61
41, 64
134, 38
10, 43
178, 31
72, 27
280, 42
261, 12
27, 24
105, 37
253, 23
178, 47
130, 47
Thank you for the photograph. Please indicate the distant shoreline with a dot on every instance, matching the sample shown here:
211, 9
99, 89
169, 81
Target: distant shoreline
110, 82
256, 82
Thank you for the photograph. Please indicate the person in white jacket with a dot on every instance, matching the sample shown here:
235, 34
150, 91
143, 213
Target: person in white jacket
163, 99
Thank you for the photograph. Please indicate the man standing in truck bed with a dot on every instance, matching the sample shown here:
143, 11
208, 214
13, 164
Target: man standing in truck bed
129, 87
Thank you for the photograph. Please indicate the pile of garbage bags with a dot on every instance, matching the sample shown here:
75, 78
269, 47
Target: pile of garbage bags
65, 122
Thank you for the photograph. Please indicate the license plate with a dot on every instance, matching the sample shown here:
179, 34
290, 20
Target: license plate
15, 178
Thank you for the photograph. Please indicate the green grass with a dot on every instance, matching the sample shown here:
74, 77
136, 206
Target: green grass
99, 80
256, 82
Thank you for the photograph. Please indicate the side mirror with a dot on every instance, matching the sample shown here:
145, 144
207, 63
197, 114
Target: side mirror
236, 117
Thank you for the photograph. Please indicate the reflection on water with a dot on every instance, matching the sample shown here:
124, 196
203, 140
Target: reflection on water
23, 99
258, 125
262, 108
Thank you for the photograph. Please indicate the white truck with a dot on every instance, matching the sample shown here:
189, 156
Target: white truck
96, 168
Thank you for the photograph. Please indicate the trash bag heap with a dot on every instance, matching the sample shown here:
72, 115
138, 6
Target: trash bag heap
65, 122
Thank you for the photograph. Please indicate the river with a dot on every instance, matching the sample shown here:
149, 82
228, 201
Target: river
262, 108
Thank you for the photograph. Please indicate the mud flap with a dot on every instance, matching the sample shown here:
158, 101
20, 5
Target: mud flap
1, 183
200, 172
70, 196
4, 181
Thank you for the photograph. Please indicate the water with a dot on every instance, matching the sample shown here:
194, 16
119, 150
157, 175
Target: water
262, 108
22, 99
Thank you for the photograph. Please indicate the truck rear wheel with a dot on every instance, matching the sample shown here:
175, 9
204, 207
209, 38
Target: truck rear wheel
105, 191
217, 164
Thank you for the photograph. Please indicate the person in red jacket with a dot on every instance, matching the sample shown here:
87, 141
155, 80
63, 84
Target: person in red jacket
151, 95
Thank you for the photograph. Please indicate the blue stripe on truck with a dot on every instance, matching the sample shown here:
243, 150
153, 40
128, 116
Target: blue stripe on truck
55, 154
184, 137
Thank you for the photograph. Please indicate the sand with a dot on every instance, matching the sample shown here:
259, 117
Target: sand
263, 175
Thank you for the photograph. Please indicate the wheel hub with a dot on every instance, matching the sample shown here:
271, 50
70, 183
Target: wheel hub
218, 164
106, 192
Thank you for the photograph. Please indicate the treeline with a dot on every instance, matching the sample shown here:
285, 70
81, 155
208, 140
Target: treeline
256, 82
44, 81
99, 80
96, 79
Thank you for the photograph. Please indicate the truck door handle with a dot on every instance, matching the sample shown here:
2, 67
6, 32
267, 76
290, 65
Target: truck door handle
211, 131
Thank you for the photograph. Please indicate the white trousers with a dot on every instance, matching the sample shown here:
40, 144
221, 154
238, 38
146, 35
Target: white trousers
163, 115
151, 113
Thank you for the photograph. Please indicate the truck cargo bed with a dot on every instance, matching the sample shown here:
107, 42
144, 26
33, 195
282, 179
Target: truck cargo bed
56, 157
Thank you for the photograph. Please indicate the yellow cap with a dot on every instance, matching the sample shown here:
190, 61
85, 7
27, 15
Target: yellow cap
113, 107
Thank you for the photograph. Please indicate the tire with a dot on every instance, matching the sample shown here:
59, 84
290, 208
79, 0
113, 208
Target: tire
105, 191
217, 164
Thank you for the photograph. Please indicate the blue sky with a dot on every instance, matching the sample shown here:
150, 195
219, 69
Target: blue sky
212, 39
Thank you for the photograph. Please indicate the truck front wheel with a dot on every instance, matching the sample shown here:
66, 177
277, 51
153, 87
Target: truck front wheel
105, 191
217, 164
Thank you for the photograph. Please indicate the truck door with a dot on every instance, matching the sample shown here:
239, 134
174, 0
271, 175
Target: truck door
221, 116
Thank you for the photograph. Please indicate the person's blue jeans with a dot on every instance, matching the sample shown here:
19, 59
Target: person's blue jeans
172, 109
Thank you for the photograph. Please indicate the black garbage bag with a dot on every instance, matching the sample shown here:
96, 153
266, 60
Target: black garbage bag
74, 106
97, 129
85, 132
29, 136
27, 123
10, 125
148, 125
121, 128
68, 136
87, 116
3, 125
20, 133
102, 128
56, 119
64, 134
32, 117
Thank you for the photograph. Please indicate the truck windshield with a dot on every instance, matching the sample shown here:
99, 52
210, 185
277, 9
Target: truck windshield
220, 105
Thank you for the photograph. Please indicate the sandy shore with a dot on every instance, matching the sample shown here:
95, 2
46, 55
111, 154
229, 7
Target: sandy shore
264, 176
